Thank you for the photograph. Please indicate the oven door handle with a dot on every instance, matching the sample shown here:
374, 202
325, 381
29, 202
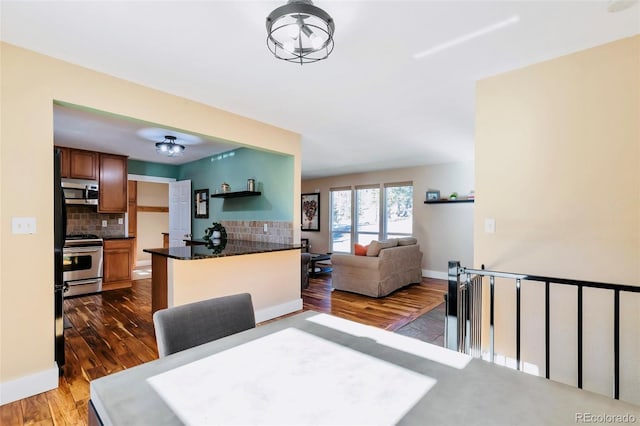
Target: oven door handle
71, 251
79, 282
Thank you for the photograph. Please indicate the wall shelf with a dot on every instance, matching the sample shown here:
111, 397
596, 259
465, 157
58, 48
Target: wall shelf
236, 194
462, 200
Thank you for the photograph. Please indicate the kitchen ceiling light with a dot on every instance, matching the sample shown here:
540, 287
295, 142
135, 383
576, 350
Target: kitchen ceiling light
169, 147
300, 32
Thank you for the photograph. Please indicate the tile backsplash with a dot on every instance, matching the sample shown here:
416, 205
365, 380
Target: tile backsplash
86, 220
253, 230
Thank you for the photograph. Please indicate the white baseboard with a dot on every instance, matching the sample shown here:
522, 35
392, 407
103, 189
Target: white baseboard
278, 310
143, 262
435, 274
29, 385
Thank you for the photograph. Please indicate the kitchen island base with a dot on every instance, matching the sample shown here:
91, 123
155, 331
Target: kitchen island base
272, 279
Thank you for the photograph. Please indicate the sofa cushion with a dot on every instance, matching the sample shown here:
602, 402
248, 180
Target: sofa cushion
407, 241
376, 246
360, 250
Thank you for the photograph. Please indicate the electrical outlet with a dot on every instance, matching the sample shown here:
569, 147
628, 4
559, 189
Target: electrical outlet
120, 221
104, 223
266, 228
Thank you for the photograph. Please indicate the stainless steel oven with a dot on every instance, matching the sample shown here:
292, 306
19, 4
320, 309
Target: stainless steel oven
82, 264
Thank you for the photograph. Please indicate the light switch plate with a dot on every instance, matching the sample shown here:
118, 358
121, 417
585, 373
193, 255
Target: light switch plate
120, 221
23, 225
490, 226
104, 223
266, 228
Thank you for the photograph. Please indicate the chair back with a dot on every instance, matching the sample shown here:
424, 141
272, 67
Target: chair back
185, 326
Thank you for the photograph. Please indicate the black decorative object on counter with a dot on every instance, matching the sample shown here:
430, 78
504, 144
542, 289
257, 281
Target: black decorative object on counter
215, 232
216, 245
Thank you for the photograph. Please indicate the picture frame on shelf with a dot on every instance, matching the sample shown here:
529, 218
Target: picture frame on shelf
310, 205
433, 195
201, 201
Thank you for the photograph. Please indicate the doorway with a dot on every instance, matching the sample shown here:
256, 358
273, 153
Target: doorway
148, 218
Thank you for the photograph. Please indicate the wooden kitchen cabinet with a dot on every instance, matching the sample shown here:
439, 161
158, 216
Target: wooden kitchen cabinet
83, 164
112, 196
118, 263
132, 210
133, 207
78, 163
64, 161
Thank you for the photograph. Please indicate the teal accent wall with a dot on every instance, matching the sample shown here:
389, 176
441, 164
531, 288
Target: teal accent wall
145, 168
274, 178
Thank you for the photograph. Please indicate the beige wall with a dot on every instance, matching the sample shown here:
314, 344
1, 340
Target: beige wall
273, 280
444, 231
30, 84
151, 225
557, 167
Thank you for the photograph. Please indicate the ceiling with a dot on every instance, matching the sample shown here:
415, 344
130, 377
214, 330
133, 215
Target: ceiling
371, 105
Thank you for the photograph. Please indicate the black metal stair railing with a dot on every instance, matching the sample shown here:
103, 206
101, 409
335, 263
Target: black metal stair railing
463, 321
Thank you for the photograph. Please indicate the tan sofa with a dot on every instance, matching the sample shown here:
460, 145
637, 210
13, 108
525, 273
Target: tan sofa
388, 266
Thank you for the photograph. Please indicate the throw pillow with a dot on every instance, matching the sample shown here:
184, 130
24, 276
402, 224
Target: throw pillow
360, 250
376, 246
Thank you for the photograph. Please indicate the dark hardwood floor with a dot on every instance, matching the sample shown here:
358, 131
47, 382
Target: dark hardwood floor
114, 331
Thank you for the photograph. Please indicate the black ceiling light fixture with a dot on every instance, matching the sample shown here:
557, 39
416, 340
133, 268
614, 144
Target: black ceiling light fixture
300, 32
169, 147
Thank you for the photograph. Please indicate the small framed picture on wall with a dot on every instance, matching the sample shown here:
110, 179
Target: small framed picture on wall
201, 198
310, 205
433, 195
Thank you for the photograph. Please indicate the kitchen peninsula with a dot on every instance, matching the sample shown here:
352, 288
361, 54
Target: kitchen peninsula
268, 271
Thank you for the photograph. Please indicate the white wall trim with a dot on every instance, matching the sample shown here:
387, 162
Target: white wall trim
435, 274
278, 310
27, 386
143, 262
156, 179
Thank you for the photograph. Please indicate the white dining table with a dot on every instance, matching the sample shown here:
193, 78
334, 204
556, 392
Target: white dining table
318, 369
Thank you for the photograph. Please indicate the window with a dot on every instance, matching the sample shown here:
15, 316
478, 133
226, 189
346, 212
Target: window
368, 214
341, 220
379, 212
398, 210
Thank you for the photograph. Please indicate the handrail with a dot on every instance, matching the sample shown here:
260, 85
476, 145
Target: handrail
567, 281
464, 313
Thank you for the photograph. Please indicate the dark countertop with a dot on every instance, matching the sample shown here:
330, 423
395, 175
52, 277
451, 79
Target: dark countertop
117, 237
225, 248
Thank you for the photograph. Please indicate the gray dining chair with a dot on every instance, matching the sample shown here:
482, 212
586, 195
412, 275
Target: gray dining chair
185, 326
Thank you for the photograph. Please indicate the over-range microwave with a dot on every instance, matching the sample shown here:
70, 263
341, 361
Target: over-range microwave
77, 191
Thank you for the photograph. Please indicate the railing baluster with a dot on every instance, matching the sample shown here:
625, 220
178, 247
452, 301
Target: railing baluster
453, 312
446, 322
479, 317
547, 338
462, 315
474, 302
491, 326
518, 323
616, 344
472, 313
467, 319
580, 337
